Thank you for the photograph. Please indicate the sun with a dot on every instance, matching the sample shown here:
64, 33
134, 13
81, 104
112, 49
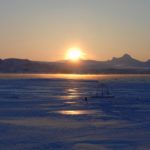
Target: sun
74, 54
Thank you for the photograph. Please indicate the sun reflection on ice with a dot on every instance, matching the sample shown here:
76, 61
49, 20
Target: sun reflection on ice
72, 93
76, 112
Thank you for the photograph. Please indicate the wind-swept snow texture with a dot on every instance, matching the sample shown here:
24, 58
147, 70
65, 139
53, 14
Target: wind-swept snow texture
51, 114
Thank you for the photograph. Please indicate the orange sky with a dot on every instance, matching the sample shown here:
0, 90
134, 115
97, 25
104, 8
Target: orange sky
45, 30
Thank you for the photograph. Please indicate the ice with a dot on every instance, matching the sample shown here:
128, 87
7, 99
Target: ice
48, 114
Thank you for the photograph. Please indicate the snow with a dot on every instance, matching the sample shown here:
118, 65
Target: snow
48, 114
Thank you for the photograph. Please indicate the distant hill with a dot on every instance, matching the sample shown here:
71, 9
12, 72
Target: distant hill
124, 64
126, 61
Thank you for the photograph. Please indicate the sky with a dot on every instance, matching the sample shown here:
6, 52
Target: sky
45, 29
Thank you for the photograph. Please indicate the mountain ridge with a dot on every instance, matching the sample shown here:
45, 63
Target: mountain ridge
123, 64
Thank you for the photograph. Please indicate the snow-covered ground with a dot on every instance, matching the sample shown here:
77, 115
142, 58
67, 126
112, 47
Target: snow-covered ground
40, 113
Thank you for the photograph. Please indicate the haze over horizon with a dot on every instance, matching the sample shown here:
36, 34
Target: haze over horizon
44, 30
124, 56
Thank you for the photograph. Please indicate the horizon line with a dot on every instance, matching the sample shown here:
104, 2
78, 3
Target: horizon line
30, 59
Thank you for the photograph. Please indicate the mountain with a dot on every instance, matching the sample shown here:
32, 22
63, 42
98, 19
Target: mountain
124, 64
126, 61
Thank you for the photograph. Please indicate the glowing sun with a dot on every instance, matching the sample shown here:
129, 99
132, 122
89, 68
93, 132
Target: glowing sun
74, 54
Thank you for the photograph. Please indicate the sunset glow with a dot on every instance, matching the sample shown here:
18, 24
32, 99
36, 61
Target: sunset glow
74, 54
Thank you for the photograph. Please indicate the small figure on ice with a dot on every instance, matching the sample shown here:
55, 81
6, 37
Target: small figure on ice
85, 100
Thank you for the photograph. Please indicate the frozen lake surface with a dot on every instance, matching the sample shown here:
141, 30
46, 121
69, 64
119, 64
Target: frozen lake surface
47, 112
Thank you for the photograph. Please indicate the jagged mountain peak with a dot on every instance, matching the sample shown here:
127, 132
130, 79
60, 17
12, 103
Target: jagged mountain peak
126, 61
126, 56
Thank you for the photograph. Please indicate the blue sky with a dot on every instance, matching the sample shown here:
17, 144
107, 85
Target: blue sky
45, 29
